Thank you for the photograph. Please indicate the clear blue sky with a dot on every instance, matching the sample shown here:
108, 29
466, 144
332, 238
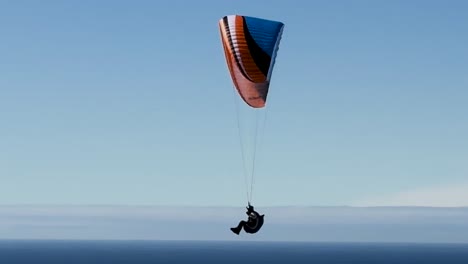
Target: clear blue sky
130, 102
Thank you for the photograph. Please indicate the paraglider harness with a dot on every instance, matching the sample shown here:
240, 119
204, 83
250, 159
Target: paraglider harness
255, 221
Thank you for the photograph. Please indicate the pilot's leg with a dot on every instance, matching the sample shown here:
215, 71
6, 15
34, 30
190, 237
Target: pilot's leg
237, 229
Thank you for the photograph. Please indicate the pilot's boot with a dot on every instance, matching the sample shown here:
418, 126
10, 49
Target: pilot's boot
236, 230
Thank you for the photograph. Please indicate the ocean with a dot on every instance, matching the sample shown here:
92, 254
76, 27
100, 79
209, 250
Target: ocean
206, 252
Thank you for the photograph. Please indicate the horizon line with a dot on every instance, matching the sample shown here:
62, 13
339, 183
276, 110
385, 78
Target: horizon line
222, 206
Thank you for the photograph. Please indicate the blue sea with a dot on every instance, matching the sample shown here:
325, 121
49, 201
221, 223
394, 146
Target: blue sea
136, 252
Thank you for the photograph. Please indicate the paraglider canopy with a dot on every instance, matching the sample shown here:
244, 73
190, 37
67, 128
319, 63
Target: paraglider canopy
250, 47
